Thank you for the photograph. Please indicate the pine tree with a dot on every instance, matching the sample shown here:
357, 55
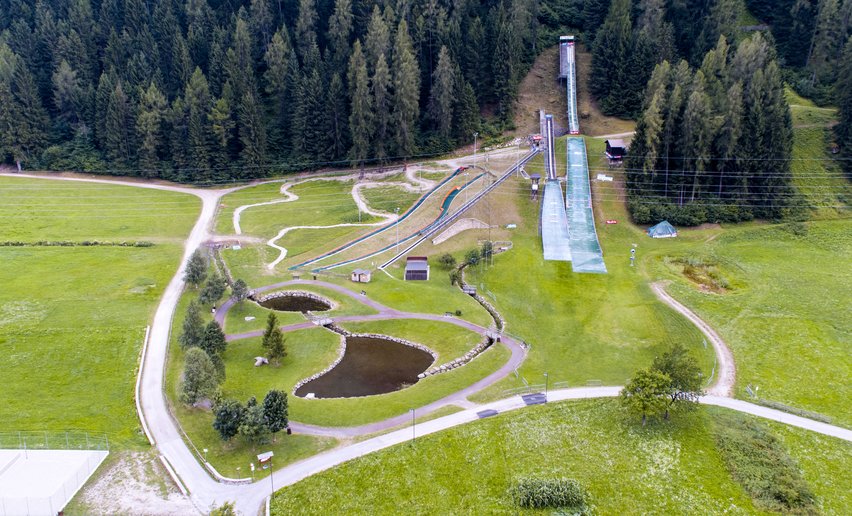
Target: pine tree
261, 25
610, 67
69, 98
275, 411
503, 65
106, 85
442, 95
380, 87
149, 128
406, 92
192, 330
196, 268
340, 33
377, 41
360, 116
843, 130
277, 90
198, 104
223, 126
119, 144
271, 324
697, 133
306, 36
337, 118
213, 343
466, 110
199, 380
252, 135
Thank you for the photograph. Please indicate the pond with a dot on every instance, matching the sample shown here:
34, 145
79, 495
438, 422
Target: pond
369, 366
295, 302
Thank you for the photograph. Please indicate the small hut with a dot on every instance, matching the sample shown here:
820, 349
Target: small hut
615, 151
662, 230
361, 276
416, 268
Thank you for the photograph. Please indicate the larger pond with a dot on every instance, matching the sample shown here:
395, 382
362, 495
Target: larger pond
370, 366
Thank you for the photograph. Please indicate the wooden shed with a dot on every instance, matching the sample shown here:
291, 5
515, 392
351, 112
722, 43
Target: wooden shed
361, 276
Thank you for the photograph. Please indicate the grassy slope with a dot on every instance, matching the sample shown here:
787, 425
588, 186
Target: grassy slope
388, 198
320, 203
672, 468
582, 326
72, 320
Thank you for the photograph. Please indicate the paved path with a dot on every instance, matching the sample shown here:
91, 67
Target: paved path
725, 368
518, 354
205, 492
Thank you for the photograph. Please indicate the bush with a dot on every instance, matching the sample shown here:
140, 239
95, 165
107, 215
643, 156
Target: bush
538, 493
760, 463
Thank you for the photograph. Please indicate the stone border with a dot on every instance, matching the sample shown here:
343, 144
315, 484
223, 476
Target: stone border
342, 351
294, 293
458, 362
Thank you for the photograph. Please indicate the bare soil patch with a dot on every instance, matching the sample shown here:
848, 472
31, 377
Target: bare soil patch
592, 121
131, 483
540, 89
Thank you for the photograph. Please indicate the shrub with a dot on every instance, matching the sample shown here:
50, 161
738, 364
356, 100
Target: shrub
760, 463
537, 493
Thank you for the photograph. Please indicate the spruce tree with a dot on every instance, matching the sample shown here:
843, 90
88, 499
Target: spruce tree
337, 118
198, 104
199, 380
381, 84
252, 135
150, 130
119, 140
340, 30
360, 116
277, 88
192, 330
442, 95
377, 41
843, 130
275, 411
406, 92
610, 68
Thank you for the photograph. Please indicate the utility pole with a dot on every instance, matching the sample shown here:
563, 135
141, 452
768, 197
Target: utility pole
397, 229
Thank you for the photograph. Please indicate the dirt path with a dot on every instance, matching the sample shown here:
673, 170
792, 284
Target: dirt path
725, 369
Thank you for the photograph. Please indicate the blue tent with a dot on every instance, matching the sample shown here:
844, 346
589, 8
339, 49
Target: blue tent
662, 230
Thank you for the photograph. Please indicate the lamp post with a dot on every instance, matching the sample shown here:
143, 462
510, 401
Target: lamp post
413, 426
205, 454
251, 466
271, 484
475, 135
545, 387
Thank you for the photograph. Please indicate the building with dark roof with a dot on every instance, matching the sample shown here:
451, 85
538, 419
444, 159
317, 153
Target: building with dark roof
416, 268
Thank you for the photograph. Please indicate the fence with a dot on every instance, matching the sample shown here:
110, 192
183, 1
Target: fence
44, 440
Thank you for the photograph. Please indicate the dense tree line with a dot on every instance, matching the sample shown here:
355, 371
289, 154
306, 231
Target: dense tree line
809, 35
208, 90
713, 143
843, 130
636, 35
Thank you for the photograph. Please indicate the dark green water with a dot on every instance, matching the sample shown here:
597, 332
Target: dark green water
295, 303
370, 366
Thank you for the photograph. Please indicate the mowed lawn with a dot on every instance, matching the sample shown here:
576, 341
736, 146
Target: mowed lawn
671, 468
72, 319
46, 209
582, 327
787, 315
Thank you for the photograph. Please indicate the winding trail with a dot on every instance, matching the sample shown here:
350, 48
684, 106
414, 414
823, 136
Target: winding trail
518, 354
206, 492
726, 370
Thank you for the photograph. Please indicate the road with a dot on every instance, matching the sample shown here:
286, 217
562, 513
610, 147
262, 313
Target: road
206, 492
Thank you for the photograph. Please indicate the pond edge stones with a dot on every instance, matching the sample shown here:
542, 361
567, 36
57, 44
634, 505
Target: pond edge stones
295, 293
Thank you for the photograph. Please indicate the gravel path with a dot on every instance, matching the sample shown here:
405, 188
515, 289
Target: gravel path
518, 354
205, 492
725, 368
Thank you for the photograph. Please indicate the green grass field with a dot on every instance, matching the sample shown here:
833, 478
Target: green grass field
72, 319
671, 468
320, 203
389, 198
45, 209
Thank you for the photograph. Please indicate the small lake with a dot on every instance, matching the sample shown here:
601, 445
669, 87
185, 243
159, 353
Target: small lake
295, 303
370, 366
